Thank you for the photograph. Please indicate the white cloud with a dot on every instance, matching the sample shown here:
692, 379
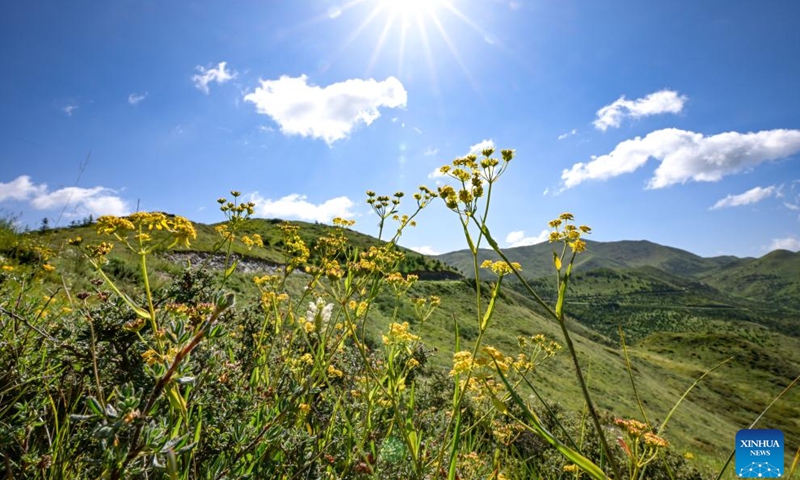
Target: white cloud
425, 250
297, 206
334, 12
21, 188
687, 156
430, 151
80, 201
754, 195
208, 75
96, 201
791, 206
663, 101
135, 98
436, 174
572, 132
328, 113
69, 109
480, 146
788, 243
518, 238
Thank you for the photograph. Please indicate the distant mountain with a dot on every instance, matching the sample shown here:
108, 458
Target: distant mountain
773, 278
536, 260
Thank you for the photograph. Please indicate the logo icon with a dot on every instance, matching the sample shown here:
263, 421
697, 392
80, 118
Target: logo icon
759, 453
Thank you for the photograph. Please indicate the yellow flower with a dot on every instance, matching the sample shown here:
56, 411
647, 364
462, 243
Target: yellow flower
399, 335
571, 468
307, 358
8, 268
334, 372
150, 357
462, 362
653, 440
107, 224
501, 268
309, 326
304, 407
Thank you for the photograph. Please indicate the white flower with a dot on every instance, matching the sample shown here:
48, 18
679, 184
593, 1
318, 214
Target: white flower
319, 313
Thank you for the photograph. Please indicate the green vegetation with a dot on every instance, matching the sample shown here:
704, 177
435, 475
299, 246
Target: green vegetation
124, 354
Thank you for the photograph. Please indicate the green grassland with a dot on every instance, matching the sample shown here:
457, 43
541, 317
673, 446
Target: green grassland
681, 314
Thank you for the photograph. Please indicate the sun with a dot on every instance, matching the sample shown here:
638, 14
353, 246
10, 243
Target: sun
408, 30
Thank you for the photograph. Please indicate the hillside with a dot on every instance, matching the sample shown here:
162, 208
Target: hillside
773, 278
272, 251
680, 312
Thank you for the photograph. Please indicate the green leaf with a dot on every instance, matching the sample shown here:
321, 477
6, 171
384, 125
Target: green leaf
535, 426
499, 405
95, 406
230, 269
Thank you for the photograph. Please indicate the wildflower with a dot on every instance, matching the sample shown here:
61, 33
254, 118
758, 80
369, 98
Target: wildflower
101, 250
150, 357
108, 224
578, 246
399, 335
411, 363
341, 222
318, 314
571, 468
304, 407
462, 362
632, 427
8, 268
334, 372
654, 441
501, 268
307, 359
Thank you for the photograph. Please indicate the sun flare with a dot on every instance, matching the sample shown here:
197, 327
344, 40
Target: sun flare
410, 7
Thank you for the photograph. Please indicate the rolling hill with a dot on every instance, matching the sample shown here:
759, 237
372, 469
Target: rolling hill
681, 314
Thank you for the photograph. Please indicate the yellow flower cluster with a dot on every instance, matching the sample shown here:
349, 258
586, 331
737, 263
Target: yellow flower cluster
253, 240
142, 223
341, 222
570, 234
377, 260
632, 427
334, 372
399, 335
501, 268
472, 174
359, 308
295, 246
462, 362
100, 250
654, 441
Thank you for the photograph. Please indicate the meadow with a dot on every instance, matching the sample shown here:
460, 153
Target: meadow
150, 347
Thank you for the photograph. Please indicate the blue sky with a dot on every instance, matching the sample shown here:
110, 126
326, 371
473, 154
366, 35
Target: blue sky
676, 122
